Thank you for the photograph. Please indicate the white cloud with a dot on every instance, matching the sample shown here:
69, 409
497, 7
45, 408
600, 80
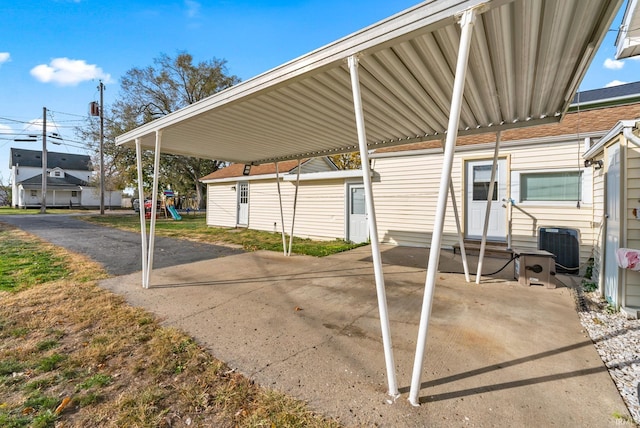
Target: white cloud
4, 57
68, 72
615, 83
613, 64
193, 8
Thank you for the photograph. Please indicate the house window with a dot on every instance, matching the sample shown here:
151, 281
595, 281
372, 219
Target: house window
56, 173
74, 193
551, 186
481, 183
34, 193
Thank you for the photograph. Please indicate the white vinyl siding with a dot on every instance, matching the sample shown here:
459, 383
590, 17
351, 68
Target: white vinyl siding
632, 278
598, 225
320, 209
314, 165
319, 213
406, 196
222, 204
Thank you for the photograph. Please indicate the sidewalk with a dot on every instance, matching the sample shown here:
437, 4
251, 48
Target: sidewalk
498, 354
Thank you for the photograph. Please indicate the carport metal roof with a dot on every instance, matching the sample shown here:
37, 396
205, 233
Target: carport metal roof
527, 58
442, 67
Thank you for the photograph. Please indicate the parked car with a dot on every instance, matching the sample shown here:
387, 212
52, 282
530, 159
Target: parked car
136, 205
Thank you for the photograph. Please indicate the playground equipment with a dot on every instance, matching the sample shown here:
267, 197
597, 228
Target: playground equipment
169, 205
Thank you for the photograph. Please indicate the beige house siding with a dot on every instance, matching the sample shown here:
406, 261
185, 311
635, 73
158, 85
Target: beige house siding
315, 220
222, 205
406, 195
632, 278
598, 226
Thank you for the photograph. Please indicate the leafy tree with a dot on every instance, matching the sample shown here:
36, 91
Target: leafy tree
347, 160
146, 94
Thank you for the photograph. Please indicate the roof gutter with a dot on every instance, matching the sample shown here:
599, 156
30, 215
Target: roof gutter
623, 126
629, 135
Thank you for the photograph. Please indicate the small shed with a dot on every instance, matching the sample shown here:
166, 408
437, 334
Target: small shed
330, 202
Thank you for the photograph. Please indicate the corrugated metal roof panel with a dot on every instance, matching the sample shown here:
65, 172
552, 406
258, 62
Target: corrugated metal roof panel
526, 61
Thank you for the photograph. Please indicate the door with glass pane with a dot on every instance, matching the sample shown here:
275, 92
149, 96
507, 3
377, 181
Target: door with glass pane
243, 204
357, 213
478, 178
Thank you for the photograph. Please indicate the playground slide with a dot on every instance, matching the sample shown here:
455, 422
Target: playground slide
174, 212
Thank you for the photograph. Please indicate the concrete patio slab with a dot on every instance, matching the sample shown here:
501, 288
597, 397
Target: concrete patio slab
498, 354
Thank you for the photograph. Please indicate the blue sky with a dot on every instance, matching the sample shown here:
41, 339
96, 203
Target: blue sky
54, 52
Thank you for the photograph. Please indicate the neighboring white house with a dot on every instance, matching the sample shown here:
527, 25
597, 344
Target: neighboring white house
330, 203
68, 177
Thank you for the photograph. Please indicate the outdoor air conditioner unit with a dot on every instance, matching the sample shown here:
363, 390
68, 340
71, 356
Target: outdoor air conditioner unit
564, 244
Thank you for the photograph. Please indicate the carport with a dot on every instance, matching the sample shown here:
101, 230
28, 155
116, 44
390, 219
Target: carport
441, 68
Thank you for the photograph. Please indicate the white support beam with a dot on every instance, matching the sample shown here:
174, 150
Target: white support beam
284, 239
154, 202
373, 230
466, 23
487, 213
463, 251
143, 223
295, 203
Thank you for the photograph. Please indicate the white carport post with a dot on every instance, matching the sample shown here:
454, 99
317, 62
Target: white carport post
154, 202
373, 230
467, 20
284, 240
143, 223
295, 203
483, 242
463, 251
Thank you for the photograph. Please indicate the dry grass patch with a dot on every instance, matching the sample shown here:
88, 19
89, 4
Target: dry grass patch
75, 355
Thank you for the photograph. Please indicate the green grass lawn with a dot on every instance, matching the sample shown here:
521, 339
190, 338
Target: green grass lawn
75, 355
194, 227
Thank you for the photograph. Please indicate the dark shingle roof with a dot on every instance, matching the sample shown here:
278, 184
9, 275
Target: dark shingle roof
603, 94
54, 160
67, 180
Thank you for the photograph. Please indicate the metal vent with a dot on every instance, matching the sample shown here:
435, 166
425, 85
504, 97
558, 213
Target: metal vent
564, 244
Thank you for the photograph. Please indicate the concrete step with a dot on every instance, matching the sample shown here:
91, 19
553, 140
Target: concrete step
491, 249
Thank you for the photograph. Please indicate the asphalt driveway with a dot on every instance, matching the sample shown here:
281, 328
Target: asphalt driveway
117, 250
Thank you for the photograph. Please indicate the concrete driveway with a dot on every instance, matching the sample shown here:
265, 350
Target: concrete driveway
498, 354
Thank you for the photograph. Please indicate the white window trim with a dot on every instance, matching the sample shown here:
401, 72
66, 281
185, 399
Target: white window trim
586, 198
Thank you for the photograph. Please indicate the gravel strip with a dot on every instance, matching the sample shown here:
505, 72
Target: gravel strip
617, 340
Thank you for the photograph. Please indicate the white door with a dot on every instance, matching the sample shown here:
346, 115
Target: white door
612, 204
478, 177
243, 204
357, 214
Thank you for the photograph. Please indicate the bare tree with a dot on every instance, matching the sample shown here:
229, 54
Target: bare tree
152, 92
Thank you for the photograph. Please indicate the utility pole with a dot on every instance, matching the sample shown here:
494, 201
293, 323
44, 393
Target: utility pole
43, 206
101, 87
